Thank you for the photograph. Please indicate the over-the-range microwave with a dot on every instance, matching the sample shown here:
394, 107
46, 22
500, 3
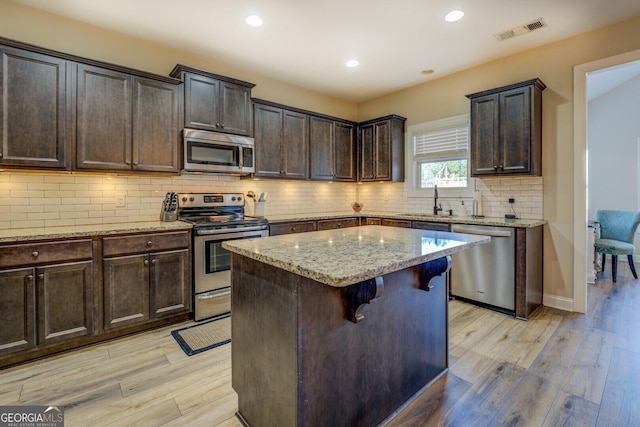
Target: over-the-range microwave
206, 151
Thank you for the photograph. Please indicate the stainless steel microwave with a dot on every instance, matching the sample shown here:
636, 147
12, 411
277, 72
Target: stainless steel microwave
206, 151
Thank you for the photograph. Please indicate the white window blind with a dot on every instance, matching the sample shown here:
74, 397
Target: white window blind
441, 143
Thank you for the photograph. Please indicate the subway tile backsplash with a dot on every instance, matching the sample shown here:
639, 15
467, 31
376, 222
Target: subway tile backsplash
33, 200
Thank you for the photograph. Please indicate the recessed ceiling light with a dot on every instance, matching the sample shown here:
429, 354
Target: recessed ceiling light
454, 15
253, 20
352, 63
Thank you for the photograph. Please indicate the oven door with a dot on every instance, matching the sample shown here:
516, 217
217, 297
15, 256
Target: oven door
212, 263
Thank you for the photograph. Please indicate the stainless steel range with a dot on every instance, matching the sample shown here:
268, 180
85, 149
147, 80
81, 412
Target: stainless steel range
216, 218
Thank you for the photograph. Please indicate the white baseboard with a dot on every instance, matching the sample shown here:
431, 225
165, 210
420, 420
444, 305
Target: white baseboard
555, 301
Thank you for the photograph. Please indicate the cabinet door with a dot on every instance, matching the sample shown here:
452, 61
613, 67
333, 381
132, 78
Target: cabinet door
345, 152
515, 129
201, 109
367, 153
103, 119
235, 109
65, 301
292, 227
126, 290
155, 126
17, 310
485, 135
170, 283
321, 148
382, 150
268, 140
295, 143
33, 110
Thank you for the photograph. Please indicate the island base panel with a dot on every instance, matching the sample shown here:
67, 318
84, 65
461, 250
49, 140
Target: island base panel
297, 359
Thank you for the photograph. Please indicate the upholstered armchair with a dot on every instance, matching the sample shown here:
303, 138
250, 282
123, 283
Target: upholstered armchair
617, 231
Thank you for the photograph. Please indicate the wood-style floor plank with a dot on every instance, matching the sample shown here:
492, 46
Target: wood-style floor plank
556, 369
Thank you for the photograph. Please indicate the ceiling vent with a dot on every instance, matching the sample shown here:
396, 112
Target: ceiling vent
523, 29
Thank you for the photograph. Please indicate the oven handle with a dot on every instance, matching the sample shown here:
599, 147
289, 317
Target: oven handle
229, 230
214, 294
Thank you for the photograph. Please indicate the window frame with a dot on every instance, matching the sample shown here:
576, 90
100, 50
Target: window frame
413, 168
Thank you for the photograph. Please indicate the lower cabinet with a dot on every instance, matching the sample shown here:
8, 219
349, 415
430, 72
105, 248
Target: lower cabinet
148, 285
60, 294
45, 299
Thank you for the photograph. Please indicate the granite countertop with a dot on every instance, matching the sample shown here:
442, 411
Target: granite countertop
346, 256
495, 221
41, 233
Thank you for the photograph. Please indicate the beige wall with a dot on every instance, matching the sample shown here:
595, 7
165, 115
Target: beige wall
53, 32
553, 64
436, 99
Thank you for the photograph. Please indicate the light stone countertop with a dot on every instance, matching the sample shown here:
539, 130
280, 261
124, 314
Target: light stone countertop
494, 221
346, 256
44, 233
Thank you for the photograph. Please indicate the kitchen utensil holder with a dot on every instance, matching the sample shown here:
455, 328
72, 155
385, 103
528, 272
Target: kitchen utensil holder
258, 209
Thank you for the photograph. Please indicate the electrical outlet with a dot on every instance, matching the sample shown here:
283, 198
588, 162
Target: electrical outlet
512, 200
121, 200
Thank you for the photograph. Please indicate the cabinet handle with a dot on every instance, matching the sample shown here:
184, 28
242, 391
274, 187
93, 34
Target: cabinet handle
149, 243
0, 155
41, 276
146, 262
217, 125
222, 125
29, 277
495, 168
153, 261
35, 254
501, 167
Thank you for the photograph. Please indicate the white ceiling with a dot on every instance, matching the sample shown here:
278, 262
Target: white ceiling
307, 42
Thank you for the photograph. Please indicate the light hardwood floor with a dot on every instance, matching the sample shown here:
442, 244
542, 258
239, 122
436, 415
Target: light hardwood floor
558, 368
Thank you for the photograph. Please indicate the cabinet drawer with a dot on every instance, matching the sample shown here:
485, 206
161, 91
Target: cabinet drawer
372, 221
330, 224
426, 225
39, 253
139, 243
292, 227
396, 223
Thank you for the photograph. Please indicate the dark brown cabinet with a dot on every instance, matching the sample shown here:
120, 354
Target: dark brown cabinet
34, 102
46, 293
282, 141
381, 149
332, 224
506, 130
431, 225
145, 277
214, 102
331, 150
125, 122
292, 227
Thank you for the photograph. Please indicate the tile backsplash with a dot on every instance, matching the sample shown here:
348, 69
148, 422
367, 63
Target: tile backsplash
58, 199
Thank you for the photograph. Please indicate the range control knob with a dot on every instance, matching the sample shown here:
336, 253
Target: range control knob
191, 199
239, 198
184, 199
233, 199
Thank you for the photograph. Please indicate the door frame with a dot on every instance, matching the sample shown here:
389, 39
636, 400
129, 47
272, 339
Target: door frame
580, 188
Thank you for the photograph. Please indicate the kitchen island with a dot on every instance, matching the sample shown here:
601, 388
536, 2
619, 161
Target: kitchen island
338, 327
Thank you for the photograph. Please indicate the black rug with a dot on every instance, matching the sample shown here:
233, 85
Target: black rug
204, 336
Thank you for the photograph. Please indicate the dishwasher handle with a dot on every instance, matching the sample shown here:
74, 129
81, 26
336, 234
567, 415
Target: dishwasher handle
492, 231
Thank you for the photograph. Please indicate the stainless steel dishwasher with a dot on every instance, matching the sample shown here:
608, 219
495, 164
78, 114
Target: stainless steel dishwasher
486, 273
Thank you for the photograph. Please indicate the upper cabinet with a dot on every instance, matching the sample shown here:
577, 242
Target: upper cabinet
65, 112
213, 102
381, 149
282, 142
332, 148
506, 130
138, 117
34, 102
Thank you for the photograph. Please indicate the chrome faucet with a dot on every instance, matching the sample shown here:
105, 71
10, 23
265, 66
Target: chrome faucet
436, 209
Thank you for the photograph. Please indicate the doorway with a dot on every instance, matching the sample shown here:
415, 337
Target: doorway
580, 190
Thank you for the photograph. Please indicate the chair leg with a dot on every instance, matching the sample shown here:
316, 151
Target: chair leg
614, 267
631, 266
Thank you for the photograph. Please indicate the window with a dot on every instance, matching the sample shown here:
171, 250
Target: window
439, 153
